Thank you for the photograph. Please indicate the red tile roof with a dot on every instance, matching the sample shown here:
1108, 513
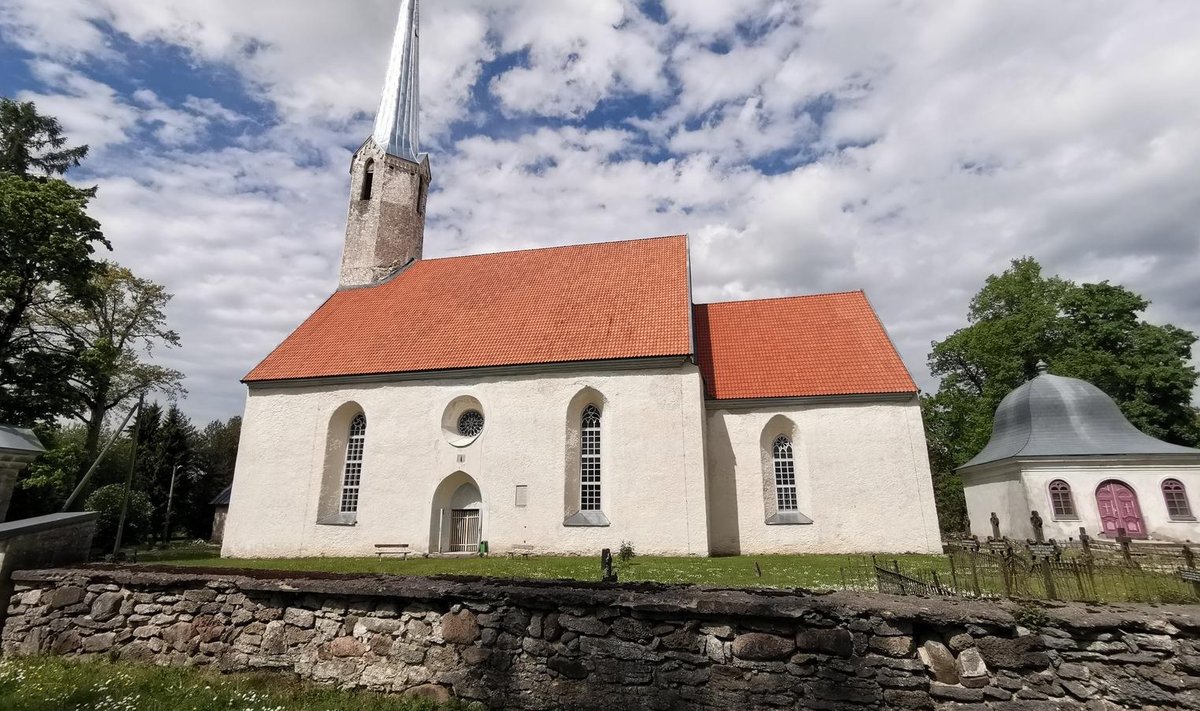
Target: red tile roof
828, 344
588, 302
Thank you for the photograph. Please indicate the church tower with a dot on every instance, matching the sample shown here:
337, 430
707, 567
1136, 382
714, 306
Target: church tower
389, 178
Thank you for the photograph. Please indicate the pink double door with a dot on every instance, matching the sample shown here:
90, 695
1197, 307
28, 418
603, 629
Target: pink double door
1119, 509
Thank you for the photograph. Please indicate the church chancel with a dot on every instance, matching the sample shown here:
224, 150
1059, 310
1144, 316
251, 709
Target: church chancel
566, 399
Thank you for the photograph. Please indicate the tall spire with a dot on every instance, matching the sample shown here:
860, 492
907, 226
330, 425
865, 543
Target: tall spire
396, 122
389, 177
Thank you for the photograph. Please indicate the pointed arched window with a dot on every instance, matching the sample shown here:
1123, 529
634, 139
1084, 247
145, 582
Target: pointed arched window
1062, 504
1175, 496
785, 474
352, 472
589, 459
368, 179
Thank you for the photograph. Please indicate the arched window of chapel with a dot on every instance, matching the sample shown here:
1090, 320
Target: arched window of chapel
589, 459
584, 464
1062, 503
1175, 497
785, 474
352, 469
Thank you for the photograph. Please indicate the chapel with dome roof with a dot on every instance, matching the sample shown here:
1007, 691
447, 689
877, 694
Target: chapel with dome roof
1061, 446
565, 399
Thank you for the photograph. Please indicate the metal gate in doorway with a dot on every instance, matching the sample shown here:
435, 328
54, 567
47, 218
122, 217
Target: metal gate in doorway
464, 530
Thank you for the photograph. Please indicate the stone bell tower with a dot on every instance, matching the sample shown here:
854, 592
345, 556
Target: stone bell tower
389, 177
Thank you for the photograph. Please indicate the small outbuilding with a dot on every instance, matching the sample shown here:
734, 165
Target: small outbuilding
1061, 447
220, 504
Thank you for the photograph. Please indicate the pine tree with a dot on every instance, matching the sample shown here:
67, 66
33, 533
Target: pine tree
32, 142
46, 244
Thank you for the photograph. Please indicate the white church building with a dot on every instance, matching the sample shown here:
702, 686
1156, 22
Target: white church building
566, 399
1061, 447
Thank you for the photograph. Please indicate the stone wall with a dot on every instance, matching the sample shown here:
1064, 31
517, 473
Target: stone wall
55, 539
576, 645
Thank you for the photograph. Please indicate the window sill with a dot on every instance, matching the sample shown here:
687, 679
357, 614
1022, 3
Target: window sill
1183, 519
1064, 518
788, 518
339, 519
586, 518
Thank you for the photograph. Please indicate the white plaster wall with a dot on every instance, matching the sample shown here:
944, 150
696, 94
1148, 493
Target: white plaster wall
653, 467
862, 476
998, 490
1143, 475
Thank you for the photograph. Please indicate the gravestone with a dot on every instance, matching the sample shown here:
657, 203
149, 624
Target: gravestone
606, 567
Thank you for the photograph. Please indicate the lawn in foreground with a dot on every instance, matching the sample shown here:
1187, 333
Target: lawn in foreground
53, 684
817, 572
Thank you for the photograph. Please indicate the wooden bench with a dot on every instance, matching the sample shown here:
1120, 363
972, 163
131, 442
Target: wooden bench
400, 549
520, 549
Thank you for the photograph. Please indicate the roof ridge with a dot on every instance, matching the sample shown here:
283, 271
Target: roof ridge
1028, 403
784, 298
547, 248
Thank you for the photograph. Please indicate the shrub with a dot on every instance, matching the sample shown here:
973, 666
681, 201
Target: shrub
1031, 615
625, 553
107, 502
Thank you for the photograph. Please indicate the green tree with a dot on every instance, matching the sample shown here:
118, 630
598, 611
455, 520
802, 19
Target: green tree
216, 453
166, 449
43, 487
46, 246
115, 334
32, 142
217, 449
138, 516
1089, 331
1144, 367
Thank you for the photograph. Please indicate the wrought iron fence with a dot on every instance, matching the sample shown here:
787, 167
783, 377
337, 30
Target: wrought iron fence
982, 573
1038, 571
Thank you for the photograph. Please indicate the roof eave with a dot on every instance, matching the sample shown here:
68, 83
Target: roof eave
628, 363
712, 403
1081, 458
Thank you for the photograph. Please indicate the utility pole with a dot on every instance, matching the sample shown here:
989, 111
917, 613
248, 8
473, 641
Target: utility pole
137, 430
170, 496
99, 458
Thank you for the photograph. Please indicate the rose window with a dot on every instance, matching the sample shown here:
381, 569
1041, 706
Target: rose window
470, 423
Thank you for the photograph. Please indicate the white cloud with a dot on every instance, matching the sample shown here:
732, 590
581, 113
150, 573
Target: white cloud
579, 52
721, 18
90, 111
317, 61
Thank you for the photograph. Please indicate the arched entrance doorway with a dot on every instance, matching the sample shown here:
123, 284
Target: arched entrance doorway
1119, 508
456, 523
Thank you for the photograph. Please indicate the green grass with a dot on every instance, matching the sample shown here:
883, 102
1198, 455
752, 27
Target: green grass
814, 572
50, 684
779, 571
189, 550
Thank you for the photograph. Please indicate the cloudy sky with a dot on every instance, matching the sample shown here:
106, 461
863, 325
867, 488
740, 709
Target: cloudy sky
909, 148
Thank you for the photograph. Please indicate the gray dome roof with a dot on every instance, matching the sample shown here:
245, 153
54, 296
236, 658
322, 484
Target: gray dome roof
1053, 416
18, 440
